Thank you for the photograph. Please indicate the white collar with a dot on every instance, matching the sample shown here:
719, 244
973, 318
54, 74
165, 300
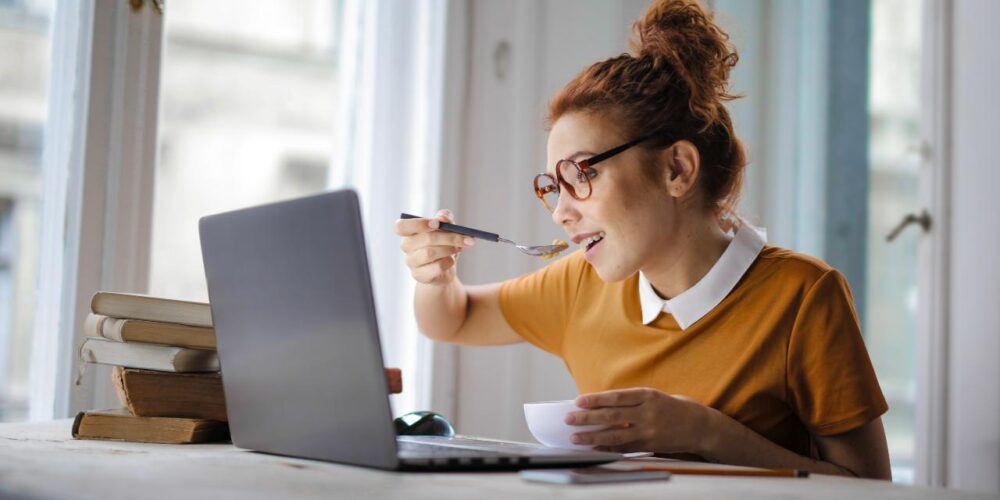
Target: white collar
694, 303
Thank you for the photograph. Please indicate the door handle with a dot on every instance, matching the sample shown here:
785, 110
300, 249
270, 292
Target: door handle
924, 219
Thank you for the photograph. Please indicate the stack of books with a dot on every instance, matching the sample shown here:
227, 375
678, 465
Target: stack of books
166, 371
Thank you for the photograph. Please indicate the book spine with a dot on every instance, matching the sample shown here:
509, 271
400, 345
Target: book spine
111, 329
118, 381
76, 425
93, 324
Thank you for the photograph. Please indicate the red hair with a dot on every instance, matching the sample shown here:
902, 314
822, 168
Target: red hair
672, 87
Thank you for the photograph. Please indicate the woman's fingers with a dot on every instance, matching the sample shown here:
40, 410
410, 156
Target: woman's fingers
431, 253
445, 215
434, 272
603, 416
619, 397
609, 437
410, 227
427, 255
434, 238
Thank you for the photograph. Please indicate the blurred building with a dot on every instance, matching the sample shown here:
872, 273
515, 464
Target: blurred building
248, 98
24, 70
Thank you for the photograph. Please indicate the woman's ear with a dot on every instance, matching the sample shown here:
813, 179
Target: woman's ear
684, 166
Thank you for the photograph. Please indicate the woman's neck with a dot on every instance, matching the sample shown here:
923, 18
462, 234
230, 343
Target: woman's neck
693, 249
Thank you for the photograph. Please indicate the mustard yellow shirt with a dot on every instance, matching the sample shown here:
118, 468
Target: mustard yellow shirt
781, 353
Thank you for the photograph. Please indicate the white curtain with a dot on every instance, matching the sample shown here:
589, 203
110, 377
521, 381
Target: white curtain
389, 148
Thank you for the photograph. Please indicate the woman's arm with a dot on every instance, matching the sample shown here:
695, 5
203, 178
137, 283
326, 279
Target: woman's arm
649, 420
862, 452
446, 309
873, 461
464, 315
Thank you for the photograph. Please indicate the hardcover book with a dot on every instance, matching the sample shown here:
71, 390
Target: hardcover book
133, 330
147, 393
148, 356
149, 308
120, 425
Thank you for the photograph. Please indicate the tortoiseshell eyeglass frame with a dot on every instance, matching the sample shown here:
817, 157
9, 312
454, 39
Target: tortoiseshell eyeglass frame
584, 171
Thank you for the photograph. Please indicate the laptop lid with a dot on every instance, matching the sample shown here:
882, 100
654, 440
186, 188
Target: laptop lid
297, 332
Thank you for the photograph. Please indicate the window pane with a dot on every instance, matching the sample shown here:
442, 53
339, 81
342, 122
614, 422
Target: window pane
248, 98
891, 321
24, 82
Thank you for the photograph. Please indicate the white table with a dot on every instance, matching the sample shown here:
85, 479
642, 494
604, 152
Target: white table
42, 460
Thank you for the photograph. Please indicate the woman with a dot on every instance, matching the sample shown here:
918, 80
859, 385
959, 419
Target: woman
683, 330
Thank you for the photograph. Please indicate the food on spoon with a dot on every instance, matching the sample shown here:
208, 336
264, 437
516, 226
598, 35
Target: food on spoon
562, 246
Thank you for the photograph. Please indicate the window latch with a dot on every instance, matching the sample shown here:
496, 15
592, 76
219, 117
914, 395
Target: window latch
924, 219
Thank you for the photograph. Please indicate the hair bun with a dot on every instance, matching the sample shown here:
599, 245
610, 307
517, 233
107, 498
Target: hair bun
683, 33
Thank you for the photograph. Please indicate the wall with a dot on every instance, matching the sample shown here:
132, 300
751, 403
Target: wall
974, 316
521, 52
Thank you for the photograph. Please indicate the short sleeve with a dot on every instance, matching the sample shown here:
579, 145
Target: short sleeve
830, 377
538, 305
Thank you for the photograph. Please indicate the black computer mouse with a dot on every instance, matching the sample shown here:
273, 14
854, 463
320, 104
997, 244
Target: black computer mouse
423, 423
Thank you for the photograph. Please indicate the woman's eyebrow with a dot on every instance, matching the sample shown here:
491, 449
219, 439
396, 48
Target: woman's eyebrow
573, 157
577, 154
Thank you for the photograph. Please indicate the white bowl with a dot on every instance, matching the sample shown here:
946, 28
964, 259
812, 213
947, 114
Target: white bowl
546, 421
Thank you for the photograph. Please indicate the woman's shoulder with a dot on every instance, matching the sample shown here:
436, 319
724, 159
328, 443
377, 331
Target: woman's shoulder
789, 265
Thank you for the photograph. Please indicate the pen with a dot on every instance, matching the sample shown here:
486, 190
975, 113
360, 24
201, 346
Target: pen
697, 471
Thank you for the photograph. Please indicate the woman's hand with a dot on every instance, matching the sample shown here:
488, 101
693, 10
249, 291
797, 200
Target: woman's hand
431, 255
649, 420
641, 419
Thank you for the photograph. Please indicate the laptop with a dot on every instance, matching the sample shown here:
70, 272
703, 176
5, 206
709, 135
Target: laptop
298, 343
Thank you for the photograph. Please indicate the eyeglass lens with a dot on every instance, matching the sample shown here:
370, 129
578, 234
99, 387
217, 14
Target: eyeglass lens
571, 174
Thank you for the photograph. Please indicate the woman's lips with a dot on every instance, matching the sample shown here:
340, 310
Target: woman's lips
589, 254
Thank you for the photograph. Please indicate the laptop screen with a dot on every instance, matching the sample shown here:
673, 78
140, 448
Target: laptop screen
297, 332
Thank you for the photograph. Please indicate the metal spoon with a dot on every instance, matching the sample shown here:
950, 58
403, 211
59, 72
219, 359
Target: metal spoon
537, 250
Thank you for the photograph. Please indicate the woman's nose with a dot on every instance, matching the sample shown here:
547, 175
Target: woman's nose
565, 209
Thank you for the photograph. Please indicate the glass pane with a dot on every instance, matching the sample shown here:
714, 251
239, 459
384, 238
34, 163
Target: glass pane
24, 82
891, 321
248, 98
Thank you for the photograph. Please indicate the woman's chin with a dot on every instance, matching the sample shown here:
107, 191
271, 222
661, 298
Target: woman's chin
611, 272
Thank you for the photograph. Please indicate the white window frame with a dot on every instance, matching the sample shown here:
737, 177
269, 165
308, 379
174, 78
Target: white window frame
99, 162
98, 175
935, 184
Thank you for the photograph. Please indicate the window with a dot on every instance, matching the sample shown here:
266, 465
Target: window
244, 114
248, 98
827, 186
24, 73
894, 162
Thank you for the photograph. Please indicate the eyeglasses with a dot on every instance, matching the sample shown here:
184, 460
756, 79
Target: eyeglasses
574, 176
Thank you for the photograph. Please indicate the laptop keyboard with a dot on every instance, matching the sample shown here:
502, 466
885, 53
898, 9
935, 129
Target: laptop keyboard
497, 445
479, 446
475, 453
434, 451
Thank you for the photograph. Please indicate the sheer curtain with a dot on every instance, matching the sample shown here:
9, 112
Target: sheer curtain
389, 149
